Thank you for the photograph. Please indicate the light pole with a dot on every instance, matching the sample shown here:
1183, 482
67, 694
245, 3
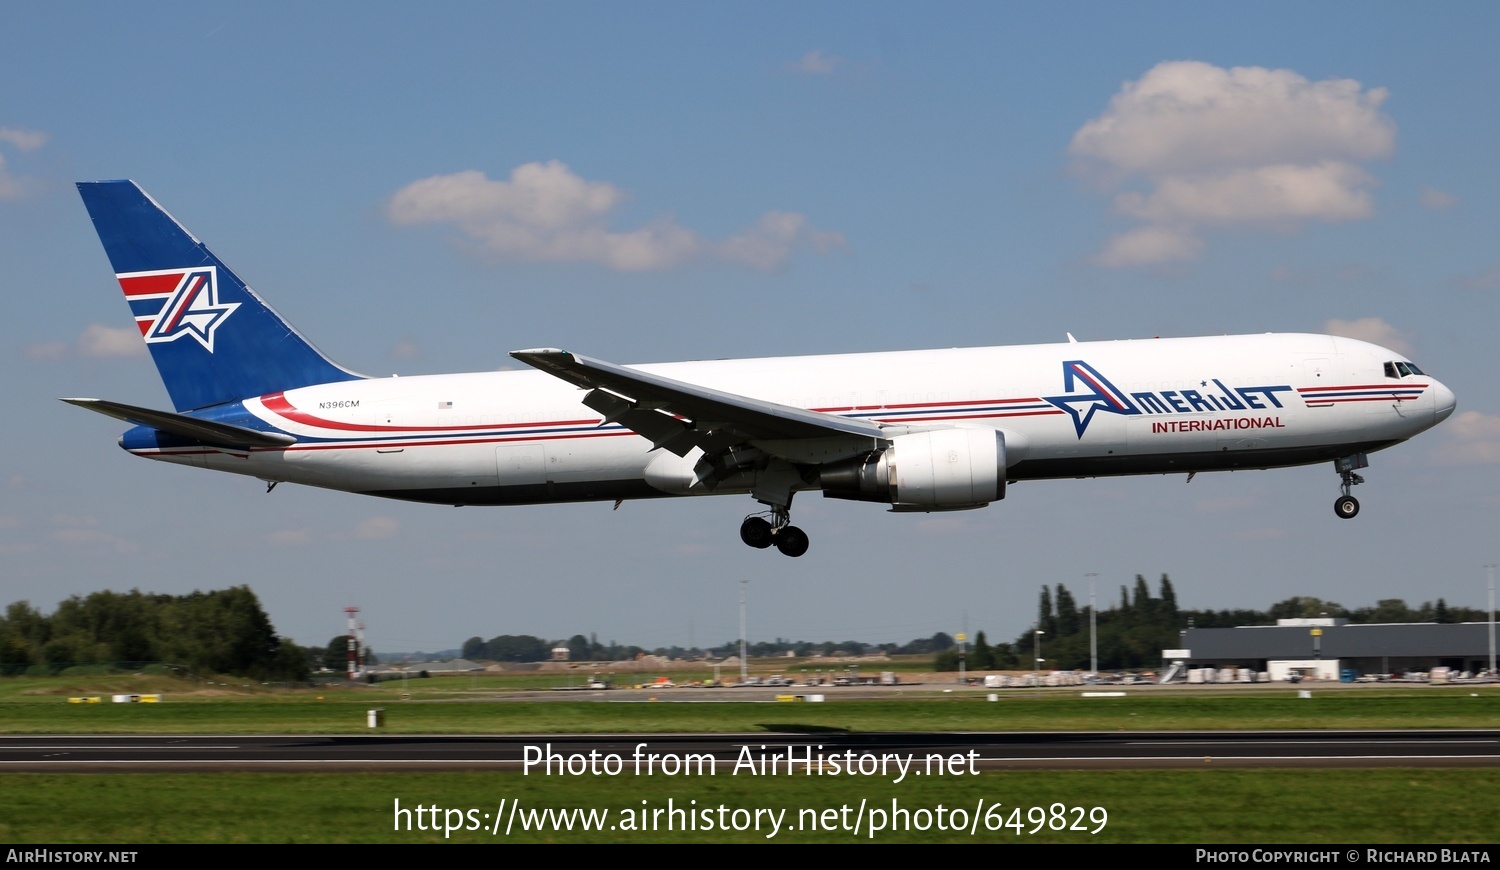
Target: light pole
1093, 627
744, 664
1037, 655
1491, 568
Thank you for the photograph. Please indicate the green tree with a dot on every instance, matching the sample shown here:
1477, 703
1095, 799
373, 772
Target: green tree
518, 648
1306, 607
1068, 621
1168, 599
982, 657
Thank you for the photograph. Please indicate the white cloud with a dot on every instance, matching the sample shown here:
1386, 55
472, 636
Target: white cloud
1200, 145
1149, 245
1371, 329
1472, 437
24, 140
46, 351
773, 238
1486, 280
815, 62
375, 528
100, 341
289, 538
695, 549
404, 349
12, 186
1433, 199
546, 213
85, 532
97, 341
1330, 191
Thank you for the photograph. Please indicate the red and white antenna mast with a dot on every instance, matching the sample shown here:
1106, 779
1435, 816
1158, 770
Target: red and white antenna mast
353, 642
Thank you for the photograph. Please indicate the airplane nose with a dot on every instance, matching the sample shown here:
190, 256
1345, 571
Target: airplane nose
1443, 402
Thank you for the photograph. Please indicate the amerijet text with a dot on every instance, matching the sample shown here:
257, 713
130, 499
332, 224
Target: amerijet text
752, 760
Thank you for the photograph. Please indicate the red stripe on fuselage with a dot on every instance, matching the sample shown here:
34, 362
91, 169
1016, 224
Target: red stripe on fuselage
900, 405
1363, 387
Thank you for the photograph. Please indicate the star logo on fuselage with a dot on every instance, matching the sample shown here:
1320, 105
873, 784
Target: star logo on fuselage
1099, 395
193, 310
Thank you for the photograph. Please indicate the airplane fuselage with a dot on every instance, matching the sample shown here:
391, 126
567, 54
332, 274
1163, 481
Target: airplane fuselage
1066, 410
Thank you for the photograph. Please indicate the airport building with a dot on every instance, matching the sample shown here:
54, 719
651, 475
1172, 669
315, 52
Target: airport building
1329, 647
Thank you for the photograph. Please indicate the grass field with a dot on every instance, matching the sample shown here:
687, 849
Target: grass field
1215, 806
1165, 806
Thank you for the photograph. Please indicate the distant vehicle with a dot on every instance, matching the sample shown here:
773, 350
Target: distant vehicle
920, 431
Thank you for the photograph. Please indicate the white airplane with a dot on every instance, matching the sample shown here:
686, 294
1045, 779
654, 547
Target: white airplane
931, 430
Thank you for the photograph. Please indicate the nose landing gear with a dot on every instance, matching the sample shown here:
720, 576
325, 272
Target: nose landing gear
760, 532
1347, 506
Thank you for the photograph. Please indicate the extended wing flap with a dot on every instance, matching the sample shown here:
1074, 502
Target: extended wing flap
207, 431
658, 407
663, 431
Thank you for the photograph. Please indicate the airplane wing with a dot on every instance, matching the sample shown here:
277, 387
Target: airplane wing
207, 431
678, 416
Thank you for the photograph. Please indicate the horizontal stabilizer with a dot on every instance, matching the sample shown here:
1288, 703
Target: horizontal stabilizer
207, 431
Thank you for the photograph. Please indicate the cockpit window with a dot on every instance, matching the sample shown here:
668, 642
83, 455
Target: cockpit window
1399, 369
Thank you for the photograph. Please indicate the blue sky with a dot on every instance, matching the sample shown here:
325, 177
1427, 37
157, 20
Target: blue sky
423, 188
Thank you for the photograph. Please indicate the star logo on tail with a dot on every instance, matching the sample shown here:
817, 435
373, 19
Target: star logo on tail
193, 309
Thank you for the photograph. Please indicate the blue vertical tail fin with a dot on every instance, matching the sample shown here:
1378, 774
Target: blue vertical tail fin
212, 338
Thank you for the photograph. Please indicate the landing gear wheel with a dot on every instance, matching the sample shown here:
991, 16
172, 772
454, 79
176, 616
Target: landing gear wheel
756, 532
1347, 506
791, 541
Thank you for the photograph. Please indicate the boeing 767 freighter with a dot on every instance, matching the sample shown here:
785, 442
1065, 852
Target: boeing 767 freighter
931, 430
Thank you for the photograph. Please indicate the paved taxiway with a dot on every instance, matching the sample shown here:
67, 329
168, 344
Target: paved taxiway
988, 751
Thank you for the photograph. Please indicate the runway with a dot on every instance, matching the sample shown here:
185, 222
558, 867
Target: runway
924, 754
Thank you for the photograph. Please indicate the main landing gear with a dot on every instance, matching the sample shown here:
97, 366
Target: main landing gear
761, 532
1346, 505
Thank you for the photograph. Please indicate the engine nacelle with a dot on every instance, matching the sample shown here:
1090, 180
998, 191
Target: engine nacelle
947, 469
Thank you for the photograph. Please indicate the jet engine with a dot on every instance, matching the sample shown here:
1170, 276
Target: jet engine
946, 469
